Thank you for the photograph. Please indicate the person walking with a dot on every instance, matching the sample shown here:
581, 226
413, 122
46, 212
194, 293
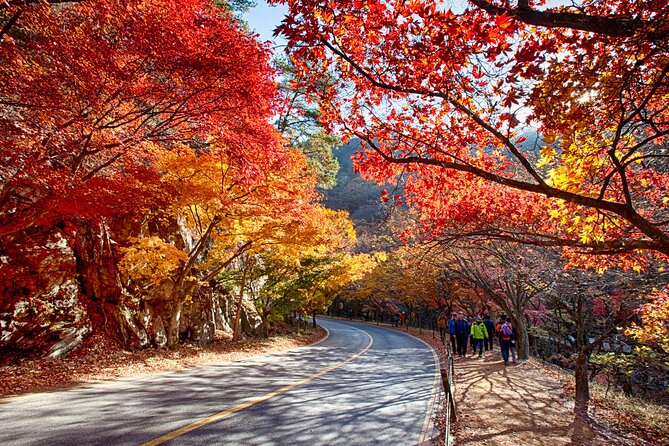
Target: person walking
478, 332
490, 327
506, 334
461, 334
443, 326
451, 331
512, 341
472, 344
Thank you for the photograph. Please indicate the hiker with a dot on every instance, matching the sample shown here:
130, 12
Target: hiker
506, 334
498, 329
472, 343
403, 318
512, 341
443, 326
490, 326
451, 331
461, 334
478, 332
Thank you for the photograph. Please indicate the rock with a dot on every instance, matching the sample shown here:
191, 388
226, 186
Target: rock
159, 333
42, 312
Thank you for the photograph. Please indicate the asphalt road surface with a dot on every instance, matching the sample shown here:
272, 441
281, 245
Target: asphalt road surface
363, 385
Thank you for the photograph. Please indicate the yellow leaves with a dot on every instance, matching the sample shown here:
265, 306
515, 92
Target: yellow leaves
654, 317
547, 156
151, 259
381, 257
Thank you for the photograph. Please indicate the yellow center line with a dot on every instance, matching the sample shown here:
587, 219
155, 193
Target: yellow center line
219, 416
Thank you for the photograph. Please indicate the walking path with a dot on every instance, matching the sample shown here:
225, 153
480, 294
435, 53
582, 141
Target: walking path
515, 405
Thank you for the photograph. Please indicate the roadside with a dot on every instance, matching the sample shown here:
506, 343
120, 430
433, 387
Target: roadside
102, 359
517, 404
531, 404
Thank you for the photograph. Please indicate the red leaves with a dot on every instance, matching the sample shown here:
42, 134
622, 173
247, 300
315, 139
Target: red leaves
504, 21
90, 101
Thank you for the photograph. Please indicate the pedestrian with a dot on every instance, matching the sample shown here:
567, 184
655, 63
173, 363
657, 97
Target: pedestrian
451, 331
472, 345
478, 332
512, 341
498, 328
403, 318
490, 327
396, 319
443, 326
461, 334
506, 334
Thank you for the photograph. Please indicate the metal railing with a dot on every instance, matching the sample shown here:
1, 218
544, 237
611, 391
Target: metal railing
448, 382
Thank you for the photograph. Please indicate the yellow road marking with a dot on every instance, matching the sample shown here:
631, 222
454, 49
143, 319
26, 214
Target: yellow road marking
219, 416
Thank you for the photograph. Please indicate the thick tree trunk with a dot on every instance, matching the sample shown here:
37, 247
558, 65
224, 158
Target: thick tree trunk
175, 319
523, 340
238, 313
582, 392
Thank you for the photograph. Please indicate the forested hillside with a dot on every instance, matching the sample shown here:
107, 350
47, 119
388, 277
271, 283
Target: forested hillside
360, 198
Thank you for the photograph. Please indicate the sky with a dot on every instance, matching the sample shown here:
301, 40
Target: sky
264, 18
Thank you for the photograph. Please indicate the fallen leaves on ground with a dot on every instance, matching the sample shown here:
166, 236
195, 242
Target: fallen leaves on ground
100, 359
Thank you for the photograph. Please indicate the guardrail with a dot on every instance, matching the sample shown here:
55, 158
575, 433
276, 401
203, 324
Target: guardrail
448, 382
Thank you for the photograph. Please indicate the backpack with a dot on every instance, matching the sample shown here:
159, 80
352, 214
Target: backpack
506, 330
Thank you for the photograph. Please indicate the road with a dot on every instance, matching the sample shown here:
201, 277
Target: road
363, 385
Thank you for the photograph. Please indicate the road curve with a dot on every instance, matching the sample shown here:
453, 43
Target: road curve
363, 385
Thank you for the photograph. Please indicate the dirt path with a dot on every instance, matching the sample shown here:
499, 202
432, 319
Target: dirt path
515, 405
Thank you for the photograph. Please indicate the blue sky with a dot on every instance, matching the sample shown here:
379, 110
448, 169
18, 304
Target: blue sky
264, 18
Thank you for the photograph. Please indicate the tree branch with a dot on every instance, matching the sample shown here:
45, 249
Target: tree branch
614, 26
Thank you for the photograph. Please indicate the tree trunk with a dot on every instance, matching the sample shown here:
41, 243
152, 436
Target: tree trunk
582, 396
173, 331
265, 322
582, 392
523, 339
238, 314
314, 318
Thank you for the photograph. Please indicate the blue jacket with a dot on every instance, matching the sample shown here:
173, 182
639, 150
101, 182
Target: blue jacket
490, 326
461, 327
451, 326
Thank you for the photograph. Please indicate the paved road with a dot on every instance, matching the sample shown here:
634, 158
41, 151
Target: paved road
363, 385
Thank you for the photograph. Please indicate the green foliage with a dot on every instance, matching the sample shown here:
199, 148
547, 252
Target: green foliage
362, 199
237, 7
299, 123
318, 149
